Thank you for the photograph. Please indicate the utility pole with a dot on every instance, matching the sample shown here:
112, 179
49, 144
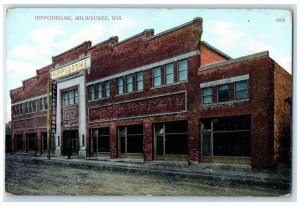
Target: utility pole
48, 118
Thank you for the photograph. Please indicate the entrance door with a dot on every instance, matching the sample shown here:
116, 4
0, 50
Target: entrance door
70, 138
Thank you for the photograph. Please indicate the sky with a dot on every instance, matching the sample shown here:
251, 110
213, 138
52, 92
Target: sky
30, 43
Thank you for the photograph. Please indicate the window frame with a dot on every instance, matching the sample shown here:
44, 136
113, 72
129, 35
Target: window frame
218, 95
155, 77
203, 96
137, 81
179, 71
247, 89
172, 73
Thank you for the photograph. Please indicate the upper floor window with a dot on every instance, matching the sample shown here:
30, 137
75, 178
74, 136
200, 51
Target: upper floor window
156, 76
106, 89
207, 95
34, 106
182, 70
70, 97
120, 83
169, 73
139, 81
26, 107
91, 92
241, 90
223, 93
129, 83
99, 90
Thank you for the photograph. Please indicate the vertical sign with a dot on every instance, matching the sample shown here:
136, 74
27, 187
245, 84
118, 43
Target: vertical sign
53, 108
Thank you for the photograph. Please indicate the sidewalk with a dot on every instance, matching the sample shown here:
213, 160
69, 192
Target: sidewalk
214, 173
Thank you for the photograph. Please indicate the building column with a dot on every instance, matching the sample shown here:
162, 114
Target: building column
193, 140
148, 145
39, 142
57, 140
113, 139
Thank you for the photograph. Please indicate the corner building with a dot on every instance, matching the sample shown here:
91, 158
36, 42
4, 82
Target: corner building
169, 96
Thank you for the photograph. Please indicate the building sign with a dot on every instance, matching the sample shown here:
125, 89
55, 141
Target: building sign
71, 68
53, 108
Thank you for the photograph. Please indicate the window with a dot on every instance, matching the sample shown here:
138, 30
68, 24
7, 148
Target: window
100, 138
17, 108
22, 108
76, 96
131, 139
42, 104
129, 84
34, 108
30, 107
99, 90
139, 81
45, 103
70, 97
91, 92
156, 77
223, 93
65, 98
120, 85
241, 90
169, 73
106, 89
26, 107
182, 70
207, 95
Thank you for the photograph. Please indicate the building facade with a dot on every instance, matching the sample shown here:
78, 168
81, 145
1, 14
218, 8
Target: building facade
169, 96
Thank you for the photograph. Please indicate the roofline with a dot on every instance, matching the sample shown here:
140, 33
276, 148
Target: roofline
176, 28
151, 37
232, 61
215, 49
75, 47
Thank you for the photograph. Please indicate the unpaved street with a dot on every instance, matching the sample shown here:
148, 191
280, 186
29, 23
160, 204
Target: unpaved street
33, 179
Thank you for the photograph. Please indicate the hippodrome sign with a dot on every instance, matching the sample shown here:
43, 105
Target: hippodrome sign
71, 68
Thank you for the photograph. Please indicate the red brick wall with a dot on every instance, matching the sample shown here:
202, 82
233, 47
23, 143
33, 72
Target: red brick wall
107, 60
282, 114
32, 87
260, 105
209, 56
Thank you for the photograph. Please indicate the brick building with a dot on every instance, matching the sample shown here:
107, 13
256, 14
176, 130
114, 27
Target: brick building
169, 96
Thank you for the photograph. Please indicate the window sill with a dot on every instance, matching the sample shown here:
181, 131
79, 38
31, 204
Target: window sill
224, 103
166, 85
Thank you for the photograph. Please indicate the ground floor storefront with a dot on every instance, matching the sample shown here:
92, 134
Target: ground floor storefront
220, 139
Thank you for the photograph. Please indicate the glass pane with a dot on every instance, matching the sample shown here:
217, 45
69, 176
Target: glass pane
206, 144
99, 90
232, 123
139, 76
140, 85
122, 131
232, 144
103, 143
159, 145
182, 70
176, 127
207, 91
135, 129
71, 97
159, 129
107, 89
157, 81
242, 85
241, 95
183, 75
207, 100
176, 144
169, 74
156, 72
122, 139
223, 93
135, 144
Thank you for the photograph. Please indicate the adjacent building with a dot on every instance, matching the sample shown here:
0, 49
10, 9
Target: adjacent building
169, 96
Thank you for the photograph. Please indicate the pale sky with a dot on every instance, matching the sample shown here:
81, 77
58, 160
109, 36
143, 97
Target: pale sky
30, 43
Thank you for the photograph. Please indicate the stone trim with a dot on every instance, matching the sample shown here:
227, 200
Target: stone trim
30, 99
232, 61
224, 81
146, 67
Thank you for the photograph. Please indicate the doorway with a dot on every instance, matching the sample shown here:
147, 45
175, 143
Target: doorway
70, 137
